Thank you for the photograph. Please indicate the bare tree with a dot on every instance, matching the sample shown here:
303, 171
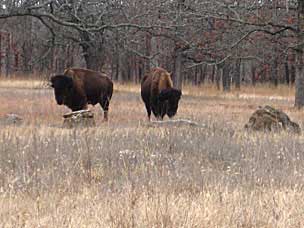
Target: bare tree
299, 96
186, 37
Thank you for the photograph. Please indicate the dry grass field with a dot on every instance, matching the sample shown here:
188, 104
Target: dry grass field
125, 173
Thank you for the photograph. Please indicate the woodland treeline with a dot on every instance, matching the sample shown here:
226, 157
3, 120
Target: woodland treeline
226, 42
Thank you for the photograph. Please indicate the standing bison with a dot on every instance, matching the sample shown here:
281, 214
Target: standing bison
77, 88
158, 93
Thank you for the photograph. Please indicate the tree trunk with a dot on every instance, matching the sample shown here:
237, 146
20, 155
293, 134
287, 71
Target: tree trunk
8, 57
178, 80
93, 51
92, 59
147, 65
196, 75
154, 49
0, 54
204, 73
218, 77
212, 74
292, 74
141, 71
274, 71
287, 80
69, 49
122, 68
116, 57
299, 95
178, 70
243, 71
133, 69
253, 69
226, 80
27, 46
237, 74
112, 68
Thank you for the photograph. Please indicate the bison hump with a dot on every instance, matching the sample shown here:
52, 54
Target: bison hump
161, 79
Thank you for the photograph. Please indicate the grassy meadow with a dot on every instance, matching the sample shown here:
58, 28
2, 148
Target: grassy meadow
127, 173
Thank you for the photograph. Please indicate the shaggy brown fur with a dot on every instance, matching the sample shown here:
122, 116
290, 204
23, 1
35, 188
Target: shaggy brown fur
77, 88
158, 93
160, 80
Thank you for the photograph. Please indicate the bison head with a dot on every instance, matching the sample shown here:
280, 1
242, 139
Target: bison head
62, 85
171, 97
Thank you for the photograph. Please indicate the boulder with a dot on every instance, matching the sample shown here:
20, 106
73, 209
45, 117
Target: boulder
268, 118
81, 118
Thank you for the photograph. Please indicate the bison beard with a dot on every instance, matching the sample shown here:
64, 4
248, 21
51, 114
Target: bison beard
158, 94
77, 88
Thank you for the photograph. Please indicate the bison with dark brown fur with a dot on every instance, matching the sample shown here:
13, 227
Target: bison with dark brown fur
158, 93
76, 88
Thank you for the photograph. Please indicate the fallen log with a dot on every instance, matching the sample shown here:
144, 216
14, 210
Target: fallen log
84, 113
81, 118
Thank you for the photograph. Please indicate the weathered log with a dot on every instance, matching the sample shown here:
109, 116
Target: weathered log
270, 119
84, 113
81, 118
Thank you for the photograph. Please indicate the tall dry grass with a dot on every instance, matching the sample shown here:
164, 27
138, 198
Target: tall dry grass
127, 174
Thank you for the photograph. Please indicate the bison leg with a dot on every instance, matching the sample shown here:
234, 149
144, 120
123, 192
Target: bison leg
148, 108
104, 103
155, 106
163, 109
155, 110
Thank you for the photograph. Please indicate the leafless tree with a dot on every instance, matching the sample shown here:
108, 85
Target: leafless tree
232, 40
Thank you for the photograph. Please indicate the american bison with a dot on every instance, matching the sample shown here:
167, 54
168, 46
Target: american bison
76, 88
158, 93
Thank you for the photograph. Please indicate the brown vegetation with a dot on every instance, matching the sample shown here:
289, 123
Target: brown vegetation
126, 174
